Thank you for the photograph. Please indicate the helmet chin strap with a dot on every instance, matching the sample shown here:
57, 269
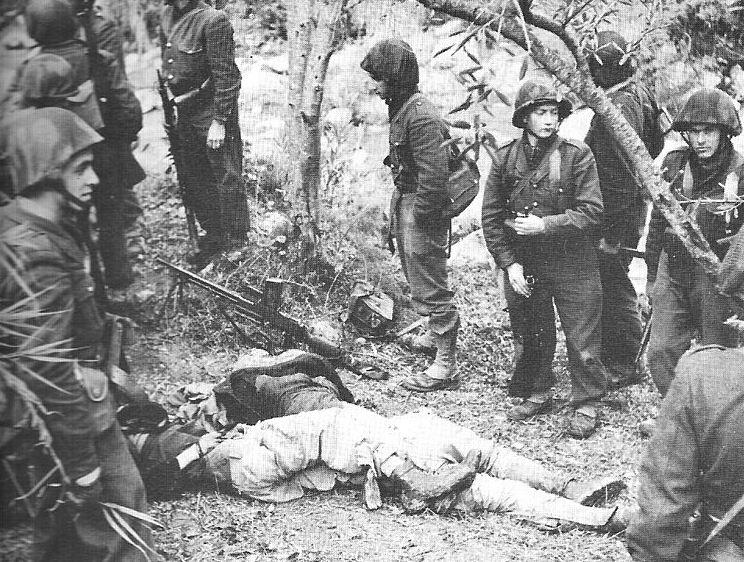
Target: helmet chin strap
81, 206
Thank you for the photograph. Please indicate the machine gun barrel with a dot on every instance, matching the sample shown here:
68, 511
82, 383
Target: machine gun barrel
259, 309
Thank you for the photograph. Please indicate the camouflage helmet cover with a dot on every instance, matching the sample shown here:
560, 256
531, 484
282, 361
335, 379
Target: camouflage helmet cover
532, 93
38, 143
709, 107
48, 77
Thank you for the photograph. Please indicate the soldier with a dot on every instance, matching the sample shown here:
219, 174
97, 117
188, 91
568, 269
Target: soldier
50, 155
542, 208
53, 24
695, 460
624, 207
684, 299
197, 46
420, 172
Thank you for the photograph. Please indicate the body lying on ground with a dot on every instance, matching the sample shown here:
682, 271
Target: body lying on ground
437, 463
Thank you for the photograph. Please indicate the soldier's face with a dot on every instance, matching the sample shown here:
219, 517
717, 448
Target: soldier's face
78, 176
382, 88
543, 120
704, 140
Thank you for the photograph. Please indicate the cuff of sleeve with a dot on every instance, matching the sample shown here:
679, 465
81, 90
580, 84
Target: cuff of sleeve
551, 225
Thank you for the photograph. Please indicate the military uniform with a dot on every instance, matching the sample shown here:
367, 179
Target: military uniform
623, 222
420, 173
51, 266
695, 458
118, 171
197, 44
684, 299
559, 183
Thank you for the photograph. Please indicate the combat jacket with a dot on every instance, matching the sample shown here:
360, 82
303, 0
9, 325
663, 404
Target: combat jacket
197, 44
52, 265
120, 108
419, 162
696, 455
563, 189
714, 227
622, 193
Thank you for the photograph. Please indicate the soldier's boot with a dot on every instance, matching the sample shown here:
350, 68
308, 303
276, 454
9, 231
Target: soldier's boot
420, 343
420, 489
442, 372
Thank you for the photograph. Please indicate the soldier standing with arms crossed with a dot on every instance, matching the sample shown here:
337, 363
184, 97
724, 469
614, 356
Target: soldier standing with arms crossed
199, 55
542, 208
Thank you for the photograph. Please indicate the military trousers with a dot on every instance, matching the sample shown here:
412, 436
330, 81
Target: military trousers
622, 328
212, 180
87, 536
565, 274
685, 305
423, 257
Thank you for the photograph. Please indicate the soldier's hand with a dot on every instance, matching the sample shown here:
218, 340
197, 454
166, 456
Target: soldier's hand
209, 441
216, 135
517, 280
530, 225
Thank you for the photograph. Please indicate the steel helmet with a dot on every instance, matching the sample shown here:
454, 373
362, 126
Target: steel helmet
50, 21
37, 143
534, 92
709, 107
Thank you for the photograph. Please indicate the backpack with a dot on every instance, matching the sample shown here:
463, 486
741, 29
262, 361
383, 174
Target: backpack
463, 183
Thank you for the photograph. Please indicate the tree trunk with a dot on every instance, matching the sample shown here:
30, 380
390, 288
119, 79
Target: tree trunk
311, 29
582, 85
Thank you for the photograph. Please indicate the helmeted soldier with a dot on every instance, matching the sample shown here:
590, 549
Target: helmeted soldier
199, 55
542, 209
420, 172
53, 24
685, 301
624, 207
50, 155
695, 460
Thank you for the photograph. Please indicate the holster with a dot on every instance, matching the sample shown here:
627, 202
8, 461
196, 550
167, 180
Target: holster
95, 384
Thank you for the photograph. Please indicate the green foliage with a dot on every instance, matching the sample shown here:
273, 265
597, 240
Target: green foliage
709, 28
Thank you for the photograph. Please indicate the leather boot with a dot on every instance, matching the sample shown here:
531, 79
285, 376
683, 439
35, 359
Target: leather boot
420, 489
420, 343
445, 362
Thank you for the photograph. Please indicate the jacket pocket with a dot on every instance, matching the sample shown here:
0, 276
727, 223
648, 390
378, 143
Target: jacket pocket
192, 61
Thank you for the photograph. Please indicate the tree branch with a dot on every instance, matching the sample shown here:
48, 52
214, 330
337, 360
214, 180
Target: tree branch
582, 85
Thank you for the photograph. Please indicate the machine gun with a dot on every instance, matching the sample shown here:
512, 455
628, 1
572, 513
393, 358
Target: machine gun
170, 104
261, 308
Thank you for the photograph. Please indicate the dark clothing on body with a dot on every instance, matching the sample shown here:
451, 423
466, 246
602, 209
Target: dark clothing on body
420, 173
623, 222
118, 171
685, 302
696, 456
52, 265
563, 189
197, 44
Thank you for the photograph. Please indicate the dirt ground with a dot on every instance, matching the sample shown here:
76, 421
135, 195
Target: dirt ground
190, 341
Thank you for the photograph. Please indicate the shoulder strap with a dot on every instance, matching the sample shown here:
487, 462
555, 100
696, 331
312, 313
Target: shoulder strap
511, 158
555, 168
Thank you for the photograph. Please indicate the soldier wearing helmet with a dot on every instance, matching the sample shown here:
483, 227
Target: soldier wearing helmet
541, 213
96, 73
420, 169
706, 174
50, 155
625, 209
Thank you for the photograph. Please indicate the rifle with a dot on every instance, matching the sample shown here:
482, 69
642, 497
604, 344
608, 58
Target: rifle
169, 117
261, 308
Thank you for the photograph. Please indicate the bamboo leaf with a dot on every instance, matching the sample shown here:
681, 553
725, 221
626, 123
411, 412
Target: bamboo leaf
462, 107
440, 51
460, 125
134, 534
506, 101
121, 532
134, 513
524, 67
